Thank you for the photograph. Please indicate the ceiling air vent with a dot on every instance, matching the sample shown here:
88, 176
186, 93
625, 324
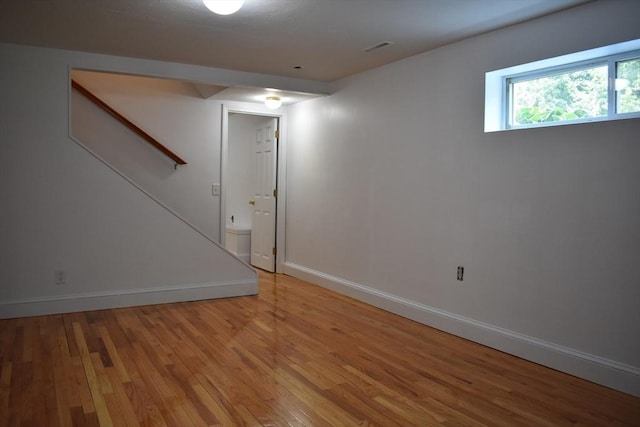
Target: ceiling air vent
377, 47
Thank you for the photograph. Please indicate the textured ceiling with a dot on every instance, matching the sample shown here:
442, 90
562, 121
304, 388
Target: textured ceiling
326, 37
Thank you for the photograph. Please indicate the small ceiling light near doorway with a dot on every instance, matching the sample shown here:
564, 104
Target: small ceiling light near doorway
223, 7
273, 102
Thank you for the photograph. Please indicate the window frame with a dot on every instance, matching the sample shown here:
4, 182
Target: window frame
498, 96
548, 72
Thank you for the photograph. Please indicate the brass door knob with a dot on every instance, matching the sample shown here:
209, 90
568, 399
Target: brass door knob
252, 202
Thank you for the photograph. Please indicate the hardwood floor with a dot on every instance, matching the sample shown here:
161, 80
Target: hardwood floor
295, 355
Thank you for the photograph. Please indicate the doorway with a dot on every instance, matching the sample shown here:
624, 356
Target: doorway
252, 186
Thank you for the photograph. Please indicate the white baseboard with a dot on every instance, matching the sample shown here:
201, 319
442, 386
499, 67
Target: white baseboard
603, 371
125, 298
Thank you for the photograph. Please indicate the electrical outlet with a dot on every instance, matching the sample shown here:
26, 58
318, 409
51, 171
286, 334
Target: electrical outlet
60, 277
460, 275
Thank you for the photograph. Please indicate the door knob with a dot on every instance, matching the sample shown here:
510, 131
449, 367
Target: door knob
252, 202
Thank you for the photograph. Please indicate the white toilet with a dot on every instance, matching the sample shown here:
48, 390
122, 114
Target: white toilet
238, 241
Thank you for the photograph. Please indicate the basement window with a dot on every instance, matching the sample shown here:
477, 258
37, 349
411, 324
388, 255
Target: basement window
595, 85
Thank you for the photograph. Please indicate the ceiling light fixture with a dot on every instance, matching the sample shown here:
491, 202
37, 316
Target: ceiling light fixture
273, 102
223, 7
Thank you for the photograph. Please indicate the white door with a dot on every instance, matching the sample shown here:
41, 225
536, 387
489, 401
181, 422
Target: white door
263, 227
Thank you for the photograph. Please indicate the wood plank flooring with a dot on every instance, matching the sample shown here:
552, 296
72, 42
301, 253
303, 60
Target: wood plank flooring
296, 355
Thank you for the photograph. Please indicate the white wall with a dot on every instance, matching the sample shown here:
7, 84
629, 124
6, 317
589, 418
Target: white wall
172, 112
63, 209
242, 135
392, 184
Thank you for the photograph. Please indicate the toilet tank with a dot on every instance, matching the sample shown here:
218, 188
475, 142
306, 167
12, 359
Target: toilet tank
238, 241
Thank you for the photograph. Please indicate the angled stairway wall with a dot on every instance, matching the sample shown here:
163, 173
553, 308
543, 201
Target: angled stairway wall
61, 209
173, 113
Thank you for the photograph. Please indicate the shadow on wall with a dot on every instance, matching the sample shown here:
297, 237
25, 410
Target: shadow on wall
174, 113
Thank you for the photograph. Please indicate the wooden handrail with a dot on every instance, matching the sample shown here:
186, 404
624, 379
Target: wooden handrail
122, 119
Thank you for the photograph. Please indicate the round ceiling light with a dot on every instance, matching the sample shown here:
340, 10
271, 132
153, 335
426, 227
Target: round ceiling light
223, 7
273, 102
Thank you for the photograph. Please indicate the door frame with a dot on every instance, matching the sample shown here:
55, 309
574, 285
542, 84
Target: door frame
256, 110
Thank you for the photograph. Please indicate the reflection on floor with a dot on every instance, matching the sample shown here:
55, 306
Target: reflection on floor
296, 354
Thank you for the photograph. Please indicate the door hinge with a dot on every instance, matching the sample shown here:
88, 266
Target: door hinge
275, 192
275, 251
277, 134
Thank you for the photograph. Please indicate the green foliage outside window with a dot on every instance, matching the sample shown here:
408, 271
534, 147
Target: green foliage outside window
567, 96
575, 95
628, 76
